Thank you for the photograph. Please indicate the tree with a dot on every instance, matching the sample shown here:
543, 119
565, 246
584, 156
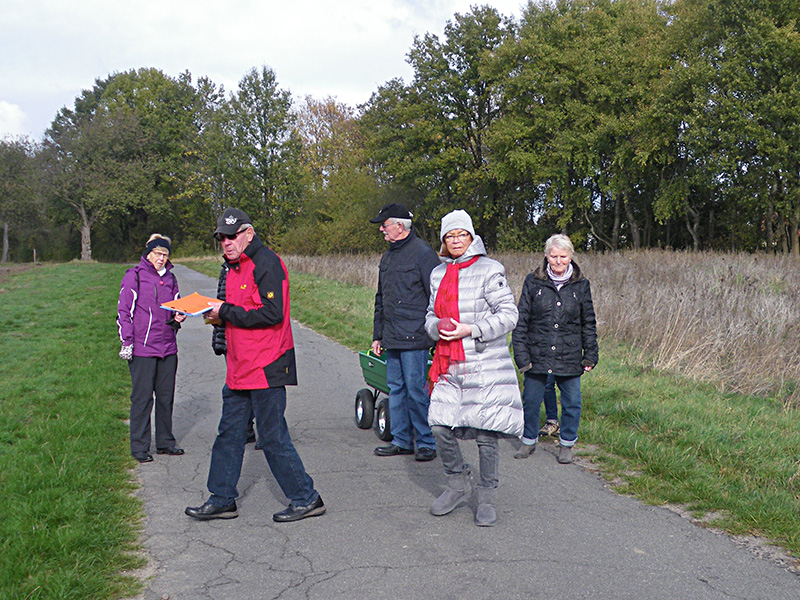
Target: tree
341, 193
266, 148
120, 156
430, 136
731, 102
574, 81
17, 192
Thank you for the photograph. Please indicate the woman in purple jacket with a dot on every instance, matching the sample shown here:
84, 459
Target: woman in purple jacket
147, 333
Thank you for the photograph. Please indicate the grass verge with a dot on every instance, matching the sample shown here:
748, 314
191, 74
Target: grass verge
732, 460
73, 524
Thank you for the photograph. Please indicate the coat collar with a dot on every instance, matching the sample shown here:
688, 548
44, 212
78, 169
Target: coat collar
541, 272
148, 266
249, 252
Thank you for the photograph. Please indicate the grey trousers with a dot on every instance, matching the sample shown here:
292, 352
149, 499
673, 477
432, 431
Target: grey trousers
450, 453
151, 376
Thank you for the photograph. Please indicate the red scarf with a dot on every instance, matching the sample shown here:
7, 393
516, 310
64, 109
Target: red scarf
446, 306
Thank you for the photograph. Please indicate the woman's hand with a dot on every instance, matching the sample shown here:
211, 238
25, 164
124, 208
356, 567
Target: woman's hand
126, 353
461, 330
179, 317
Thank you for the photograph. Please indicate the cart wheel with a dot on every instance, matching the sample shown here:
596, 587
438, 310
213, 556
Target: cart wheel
365, 408
383, 425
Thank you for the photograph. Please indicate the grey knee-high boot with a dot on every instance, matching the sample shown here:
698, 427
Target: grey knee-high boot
486, 516
458, 489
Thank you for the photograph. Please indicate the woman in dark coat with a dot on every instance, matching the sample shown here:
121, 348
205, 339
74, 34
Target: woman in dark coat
556, 335
147, 334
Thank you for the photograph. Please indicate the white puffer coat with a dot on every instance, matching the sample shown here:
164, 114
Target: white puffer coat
483, 391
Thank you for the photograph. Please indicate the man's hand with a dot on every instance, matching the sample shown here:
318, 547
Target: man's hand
376, 347
213, 314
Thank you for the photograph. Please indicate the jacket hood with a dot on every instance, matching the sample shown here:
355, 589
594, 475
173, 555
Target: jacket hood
476, 248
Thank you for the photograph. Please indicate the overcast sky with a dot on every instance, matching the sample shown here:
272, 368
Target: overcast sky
51, 50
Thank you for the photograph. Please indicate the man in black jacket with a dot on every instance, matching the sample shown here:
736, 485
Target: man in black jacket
399, 329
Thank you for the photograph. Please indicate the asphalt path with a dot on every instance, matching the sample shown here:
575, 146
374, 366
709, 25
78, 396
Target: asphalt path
562, 533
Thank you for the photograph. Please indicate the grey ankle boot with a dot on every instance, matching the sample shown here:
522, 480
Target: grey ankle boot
458, 489
525, 451
486, 516
565, 455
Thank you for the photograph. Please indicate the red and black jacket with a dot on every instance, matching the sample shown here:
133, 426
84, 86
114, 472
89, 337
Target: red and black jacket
258, 330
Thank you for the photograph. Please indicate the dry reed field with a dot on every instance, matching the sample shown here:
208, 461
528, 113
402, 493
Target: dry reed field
728, 319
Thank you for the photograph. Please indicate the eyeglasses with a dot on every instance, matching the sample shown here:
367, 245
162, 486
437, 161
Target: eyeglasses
229, 236
456, 236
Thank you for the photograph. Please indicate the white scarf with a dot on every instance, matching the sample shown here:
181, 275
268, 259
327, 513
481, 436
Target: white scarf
560, 281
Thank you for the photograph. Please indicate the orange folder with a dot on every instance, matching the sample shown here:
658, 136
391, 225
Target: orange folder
191, 305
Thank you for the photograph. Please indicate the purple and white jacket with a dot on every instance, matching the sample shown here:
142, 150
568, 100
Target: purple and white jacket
140, 319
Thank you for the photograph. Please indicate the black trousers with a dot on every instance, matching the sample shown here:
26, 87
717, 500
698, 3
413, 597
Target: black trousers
152, 377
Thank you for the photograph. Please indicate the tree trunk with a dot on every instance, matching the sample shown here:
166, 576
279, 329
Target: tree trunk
781, 227
794, 222
615, 230
632, 223
86, 236
768, 228
693, 224
668, 244
711, 215
5, 243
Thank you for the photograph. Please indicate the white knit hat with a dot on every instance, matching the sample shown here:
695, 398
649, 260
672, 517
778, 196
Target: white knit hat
458, 219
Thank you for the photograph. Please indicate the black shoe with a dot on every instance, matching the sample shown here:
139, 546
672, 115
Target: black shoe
295, 513
212, 511
251, 436
143, 457
392, 450
258, 446
425, 454
172, 450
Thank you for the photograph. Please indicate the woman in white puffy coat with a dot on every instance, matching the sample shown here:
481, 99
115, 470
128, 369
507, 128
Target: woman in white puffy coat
475, 392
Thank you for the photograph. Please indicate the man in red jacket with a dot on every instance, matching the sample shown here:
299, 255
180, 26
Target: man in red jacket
260, 363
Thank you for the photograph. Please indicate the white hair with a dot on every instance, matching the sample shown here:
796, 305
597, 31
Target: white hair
559, 240
406, 223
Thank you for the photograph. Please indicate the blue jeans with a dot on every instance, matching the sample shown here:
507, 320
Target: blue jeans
268, 405
550, 402
532, 396
406, 375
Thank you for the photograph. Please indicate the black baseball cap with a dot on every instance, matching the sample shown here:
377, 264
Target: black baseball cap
392, 211
231, 221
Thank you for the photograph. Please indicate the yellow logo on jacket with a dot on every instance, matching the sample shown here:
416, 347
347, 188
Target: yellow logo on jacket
243, 286
270, 295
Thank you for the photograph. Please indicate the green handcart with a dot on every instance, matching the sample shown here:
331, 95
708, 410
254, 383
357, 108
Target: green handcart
370, 407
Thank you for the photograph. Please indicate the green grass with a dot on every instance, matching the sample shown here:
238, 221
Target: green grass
71, 523
731, 457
